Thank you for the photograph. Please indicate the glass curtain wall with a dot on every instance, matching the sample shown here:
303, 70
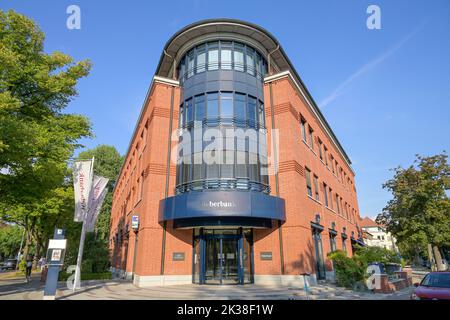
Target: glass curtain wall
225, 55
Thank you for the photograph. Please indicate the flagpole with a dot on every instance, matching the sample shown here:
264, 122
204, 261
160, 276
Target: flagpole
77, 282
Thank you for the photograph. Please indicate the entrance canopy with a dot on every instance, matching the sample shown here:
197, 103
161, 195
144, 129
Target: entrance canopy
215, 208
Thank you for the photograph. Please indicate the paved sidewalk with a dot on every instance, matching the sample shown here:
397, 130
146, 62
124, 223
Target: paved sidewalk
18, 289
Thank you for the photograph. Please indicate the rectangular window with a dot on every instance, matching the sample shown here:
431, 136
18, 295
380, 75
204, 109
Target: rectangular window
225, 55
337, 204
316, 187
197, 168
213, 56
239, 107
331, 198
141, 185
325, 194
332, 242
201, 59
333, 164
303, 128
325, 155
189, 111
346, 211
250, 61
311, 137
262, 119
251, 110
199, 108
191, 60
344, 246
213, 105
227, 166
180, 117
238, 57
320, 149
308, 182
226, 105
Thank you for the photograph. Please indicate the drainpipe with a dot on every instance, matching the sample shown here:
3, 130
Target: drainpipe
268, 59
173, 65
169, 147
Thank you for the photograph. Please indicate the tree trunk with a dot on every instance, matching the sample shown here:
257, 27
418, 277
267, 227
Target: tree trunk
438, 258
26, 248
431, 257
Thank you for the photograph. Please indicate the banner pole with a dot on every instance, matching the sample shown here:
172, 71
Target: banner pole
77, 282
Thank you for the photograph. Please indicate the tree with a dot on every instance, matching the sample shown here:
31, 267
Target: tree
107, 163
419, 213
10, 238
36, 136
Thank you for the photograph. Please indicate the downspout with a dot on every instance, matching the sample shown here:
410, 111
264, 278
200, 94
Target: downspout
169, 147
277, 188
268, 59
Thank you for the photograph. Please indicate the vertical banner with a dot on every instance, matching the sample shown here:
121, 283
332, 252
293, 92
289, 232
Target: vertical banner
96, 198
82, 180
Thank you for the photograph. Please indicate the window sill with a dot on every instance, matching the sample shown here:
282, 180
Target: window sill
317, 201
330, 209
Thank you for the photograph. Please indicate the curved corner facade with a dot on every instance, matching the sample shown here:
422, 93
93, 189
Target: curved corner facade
232, 172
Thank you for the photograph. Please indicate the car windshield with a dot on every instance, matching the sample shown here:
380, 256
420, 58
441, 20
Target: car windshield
439, 280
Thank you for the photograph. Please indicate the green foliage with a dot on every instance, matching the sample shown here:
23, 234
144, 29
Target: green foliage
96, 251
418, 213
366, 255
10, 238
348, 270
351, 271
107, 163
36, 136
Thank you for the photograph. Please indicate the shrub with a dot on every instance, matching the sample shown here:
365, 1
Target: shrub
348, 271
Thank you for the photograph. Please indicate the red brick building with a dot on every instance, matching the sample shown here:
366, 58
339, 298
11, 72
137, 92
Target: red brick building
285, 200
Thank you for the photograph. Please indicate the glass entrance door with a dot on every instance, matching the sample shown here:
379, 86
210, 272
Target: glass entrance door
222, 256
221, 260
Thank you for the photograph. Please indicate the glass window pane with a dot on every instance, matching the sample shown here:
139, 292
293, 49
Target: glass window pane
190, 58
213, 56
250, 61
241, 167
251, 110
201, 59
212, 171
189, 111
180, 117
239, 107
258, 66
238, 57
227, 168
213, 106
225, 58
262, 121
199, 108
226, 105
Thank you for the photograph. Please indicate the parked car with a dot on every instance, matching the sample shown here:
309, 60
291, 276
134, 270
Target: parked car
434, 286
10, 264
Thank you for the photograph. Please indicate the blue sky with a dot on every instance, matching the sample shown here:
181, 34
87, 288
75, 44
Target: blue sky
384, 92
